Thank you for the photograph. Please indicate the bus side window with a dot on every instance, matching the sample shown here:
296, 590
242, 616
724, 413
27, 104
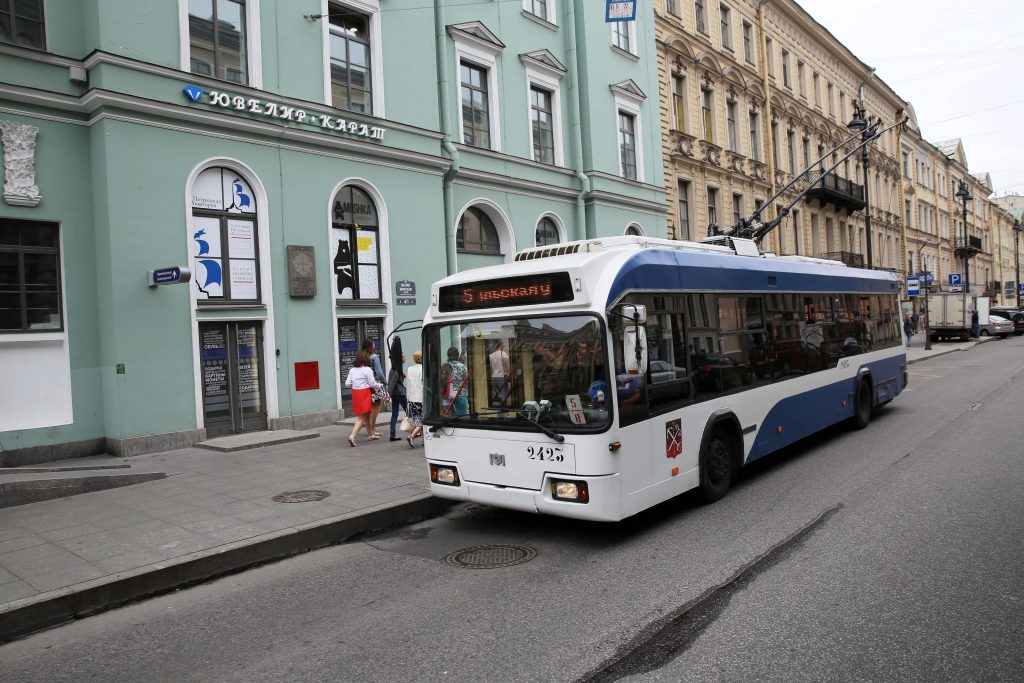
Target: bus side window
668, 378
630, 388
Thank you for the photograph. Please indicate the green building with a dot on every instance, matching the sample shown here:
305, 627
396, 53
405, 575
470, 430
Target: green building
315, 165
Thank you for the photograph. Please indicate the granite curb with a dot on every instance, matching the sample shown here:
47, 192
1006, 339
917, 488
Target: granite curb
23, 617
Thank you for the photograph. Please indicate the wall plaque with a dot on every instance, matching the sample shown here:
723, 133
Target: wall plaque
301, 271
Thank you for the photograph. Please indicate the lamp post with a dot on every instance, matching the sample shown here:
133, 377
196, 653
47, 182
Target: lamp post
964, 195
927, 334
860, 122
1016, 257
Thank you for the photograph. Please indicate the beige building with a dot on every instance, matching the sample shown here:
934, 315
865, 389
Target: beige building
753, 93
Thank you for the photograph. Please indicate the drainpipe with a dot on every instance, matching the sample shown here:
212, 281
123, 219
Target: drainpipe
900, 204
769, 145
441, 56
577, 64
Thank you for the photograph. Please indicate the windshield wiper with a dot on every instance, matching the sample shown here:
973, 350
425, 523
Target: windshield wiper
547, 430
448, 420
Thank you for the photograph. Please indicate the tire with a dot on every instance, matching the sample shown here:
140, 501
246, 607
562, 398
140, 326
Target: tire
862, 414
984, 333
717, 467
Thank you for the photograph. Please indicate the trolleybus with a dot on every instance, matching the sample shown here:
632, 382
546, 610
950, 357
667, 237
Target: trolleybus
597, 378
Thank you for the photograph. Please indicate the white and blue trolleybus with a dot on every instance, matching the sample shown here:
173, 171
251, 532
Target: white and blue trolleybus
597, 378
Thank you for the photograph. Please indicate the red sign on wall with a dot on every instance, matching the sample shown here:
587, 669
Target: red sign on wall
673, 438
307, 375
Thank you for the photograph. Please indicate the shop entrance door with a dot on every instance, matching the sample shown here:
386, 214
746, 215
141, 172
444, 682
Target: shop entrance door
351, 333
232, 376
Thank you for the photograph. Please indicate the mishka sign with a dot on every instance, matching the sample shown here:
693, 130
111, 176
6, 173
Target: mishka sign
282, 112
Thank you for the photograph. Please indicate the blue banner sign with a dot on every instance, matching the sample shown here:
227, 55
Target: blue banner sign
168, 276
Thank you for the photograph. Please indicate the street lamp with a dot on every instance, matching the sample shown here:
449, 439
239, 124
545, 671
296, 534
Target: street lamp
1016, 256
861, 123
964, 195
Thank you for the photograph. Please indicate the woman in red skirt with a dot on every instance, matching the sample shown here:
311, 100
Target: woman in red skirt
362, 382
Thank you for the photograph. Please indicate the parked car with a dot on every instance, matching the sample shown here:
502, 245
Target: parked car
997, 325
663, 371
716, 372
1010, 313
789, 357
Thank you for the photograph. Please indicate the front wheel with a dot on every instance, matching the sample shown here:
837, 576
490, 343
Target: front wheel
984, 333
862, 417
717, 468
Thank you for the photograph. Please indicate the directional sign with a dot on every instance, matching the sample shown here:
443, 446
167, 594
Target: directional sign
926, 277
913, 286
954, 279
1020, 287
168, 276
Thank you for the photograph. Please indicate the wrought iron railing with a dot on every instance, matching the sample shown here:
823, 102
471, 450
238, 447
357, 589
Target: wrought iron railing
848, 257
840, 185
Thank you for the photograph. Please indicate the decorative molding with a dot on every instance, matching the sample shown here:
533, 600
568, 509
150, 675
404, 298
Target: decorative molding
684, 144
475, 33
706, 81
731, 95
19, 145
758, 169
545, 62
734, 161
712, 152
628, 90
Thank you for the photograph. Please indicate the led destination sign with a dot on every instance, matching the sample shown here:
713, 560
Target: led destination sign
546, 288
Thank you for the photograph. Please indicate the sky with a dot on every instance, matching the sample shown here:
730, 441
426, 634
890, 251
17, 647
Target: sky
960, 64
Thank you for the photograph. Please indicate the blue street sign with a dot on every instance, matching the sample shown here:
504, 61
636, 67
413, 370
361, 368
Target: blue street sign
1020, 287
913, 287
168, 276
954, 279
926, 277
620, 10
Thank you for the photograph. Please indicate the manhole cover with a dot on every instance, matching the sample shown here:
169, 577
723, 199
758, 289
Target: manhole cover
300, 496
491, 556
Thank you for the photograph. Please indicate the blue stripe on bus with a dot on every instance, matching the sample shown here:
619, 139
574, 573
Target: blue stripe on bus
666, 269
812, 411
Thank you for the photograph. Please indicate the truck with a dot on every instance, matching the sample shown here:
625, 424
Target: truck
949, 315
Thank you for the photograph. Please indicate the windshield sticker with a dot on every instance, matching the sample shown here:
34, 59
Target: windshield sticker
575, 406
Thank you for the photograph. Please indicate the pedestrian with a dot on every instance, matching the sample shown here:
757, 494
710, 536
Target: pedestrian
975, 327
454, 376
908, 328
500, 375
370, 349
414, 392
362, 382
396, 386
915, 320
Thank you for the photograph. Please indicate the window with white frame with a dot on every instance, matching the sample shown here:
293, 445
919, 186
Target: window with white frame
627, 145
217, 31
684, 210
476, 233
791, 151
628, 99
634, 230
30, 290
224, 238
476, 51
769, 49
706, 114
543, 79
785, 69
754, 138
712, 206
547, 233
816, 80
624, 36
679, 102
801, 79
542, 130
21, 23
671, 7
748, 42
737, 208
355, 236
350, 62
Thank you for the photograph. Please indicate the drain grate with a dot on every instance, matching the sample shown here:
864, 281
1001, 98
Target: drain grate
300, 496
491, 556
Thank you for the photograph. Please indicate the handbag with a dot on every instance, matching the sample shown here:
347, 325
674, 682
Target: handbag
406, 425
381, 395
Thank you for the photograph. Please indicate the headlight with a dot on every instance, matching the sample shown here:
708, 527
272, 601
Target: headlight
574, 491
444, 474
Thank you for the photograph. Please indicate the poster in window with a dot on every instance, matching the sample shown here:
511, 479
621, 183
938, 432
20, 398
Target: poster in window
243, 279
241, 239
206, 257
214, 357
248, 371
366, 241
344, 278
369, 282
369, 277
208, 190
238, 196
348, 347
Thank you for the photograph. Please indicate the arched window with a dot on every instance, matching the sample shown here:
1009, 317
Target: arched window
355, 239
547, 232
477, 234
224, 241
634, 230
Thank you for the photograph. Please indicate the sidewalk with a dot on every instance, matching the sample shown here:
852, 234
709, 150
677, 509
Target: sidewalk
917, 352
214, 513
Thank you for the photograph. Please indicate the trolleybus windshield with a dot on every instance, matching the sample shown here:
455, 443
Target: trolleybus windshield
502, 373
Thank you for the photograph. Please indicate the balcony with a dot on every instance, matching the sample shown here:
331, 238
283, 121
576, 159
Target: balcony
847, 257
844, 194
966, 248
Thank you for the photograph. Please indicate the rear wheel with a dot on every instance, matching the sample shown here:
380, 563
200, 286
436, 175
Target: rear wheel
984, 333
717, 467
863, 415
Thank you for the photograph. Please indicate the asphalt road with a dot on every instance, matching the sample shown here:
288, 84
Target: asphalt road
892, 553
